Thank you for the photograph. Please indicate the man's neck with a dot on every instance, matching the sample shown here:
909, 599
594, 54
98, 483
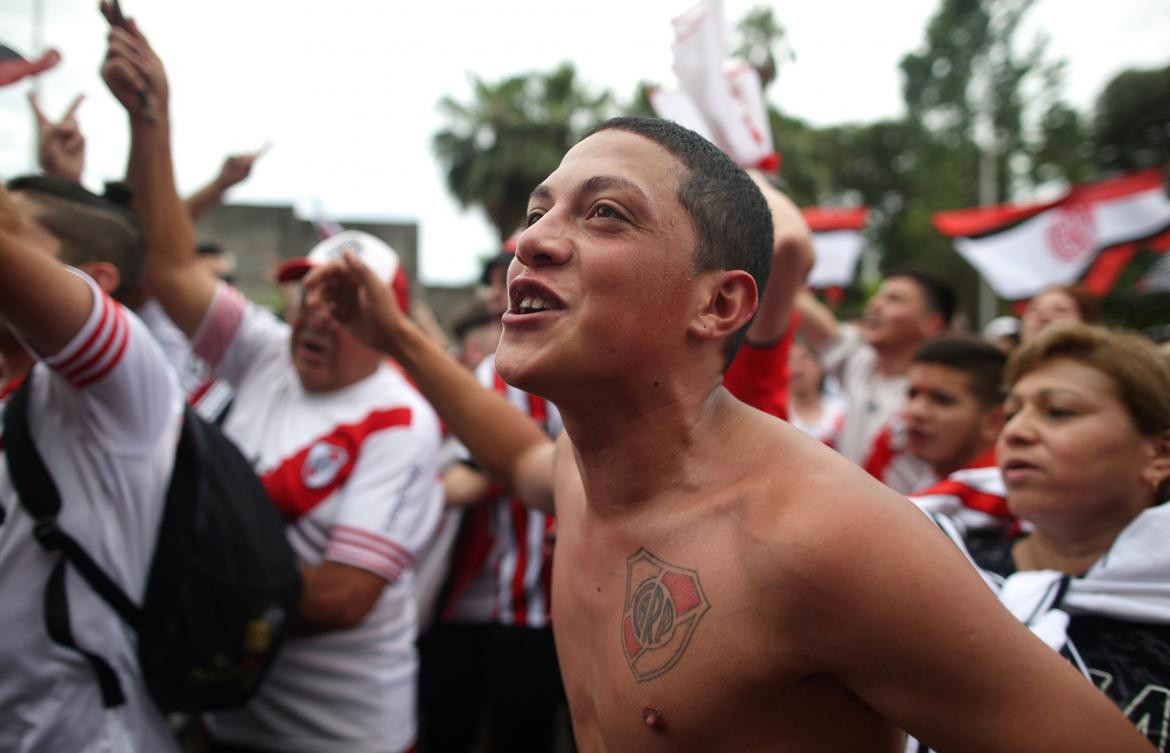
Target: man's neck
982, 457
628, 455
894, 360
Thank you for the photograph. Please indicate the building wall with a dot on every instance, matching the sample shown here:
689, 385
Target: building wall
260, 237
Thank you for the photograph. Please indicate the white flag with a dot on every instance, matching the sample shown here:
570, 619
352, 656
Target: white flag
838, 240
719, 98
1020, 250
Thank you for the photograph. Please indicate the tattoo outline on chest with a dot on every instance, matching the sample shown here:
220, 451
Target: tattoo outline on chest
663, 606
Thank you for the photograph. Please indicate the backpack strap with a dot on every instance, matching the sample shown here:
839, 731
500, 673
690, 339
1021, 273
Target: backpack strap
39, 496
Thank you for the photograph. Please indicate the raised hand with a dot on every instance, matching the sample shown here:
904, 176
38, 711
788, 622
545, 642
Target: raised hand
236, 168
132, 70
60, 144
359, 300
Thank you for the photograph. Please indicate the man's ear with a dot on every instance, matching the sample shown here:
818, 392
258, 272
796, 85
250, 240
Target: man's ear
728, 302
931, 325
105, 274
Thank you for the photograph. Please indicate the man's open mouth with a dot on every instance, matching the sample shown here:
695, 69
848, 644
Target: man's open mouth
528, 297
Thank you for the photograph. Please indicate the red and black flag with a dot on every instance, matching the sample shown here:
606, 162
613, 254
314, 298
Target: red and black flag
837, 239
1087, 235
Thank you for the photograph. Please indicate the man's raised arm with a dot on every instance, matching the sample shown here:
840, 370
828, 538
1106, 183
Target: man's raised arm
508, 445
235, 169
39, 298
792, 258
135, 75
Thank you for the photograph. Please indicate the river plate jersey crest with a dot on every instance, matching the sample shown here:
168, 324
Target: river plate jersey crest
663, 606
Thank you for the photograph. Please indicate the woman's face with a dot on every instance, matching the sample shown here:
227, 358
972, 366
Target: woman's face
804, 372
1046, 308
1072, 458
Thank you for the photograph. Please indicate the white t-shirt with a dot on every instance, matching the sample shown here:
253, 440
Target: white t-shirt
104, 414
355, 473
871, 399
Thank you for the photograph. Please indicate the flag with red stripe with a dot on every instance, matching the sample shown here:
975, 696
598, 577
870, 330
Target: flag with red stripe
1091, 232
837, 235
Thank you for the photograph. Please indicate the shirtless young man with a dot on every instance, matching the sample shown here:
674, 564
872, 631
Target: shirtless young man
721, 582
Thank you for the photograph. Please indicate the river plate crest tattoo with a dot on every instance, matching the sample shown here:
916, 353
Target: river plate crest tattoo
663, 606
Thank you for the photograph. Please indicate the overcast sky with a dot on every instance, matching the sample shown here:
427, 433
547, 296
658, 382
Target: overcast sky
346, 89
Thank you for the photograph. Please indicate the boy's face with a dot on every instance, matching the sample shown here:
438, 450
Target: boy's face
603, 280
897, 314
946, 424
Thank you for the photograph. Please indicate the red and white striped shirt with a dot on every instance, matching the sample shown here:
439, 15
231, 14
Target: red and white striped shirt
504, 547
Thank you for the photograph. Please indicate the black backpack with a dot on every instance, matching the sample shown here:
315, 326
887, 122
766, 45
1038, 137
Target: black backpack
222, 586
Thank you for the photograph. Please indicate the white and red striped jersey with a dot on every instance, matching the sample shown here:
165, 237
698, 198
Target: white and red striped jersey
355, 473
502, 568
104, 415
973, 496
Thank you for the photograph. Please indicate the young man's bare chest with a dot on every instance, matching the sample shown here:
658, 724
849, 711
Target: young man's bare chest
667, 642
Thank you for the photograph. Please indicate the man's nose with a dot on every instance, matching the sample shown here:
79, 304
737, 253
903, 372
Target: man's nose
546, 241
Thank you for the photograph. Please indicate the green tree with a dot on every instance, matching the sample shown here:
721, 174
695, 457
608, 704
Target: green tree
759, 36
1132, 123
510, 136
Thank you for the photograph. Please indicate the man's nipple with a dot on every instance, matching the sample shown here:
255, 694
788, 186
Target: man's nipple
654, 718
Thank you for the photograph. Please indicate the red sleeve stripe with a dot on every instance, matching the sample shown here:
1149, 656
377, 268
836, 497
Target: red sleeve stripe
220, 325
376, 566
98, 351
365, 540
114, 360
100, 330
105, 355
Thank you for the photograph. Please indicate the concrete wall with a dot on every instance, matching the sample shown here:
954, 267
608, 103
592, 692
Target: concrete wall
261, 237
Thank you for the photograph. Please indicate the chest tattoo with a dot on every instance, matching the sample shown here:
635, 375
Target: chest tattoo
663, 606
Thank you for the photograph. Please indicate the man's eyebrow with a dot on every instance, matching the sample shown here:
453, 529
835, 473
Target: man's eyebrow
540, 192
604, 182
593, 185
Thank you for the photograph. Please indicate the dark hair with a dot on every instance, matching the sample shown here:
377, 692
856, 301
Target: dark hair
938, 295
982, 362
732, 222
90, 227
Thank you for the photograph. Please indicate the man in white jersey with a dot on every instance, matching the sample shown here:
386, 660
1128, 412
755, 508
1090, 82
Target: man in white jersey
345, 447
104, 412
870, 360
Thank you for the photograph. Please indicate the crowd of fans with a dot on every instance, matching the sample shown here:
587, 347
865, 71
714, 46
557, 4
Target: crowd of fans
428, 487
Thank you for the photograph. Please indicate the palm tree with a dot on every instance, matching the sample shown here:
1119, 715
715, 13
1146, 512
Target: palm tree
512, 134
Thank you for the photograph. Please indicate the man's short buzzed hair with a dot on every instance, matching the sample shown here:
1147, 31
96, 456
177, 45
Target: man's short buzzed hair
89, 227
939, 296
733, 225
982, 362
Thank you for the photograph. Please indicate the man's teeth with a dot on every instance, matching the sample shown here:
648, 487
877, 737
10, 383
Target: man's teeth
534, 304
